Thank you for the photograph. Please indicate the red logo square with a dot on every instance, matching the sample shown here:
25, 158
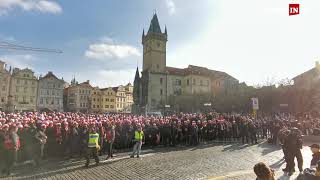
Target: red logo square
294, 9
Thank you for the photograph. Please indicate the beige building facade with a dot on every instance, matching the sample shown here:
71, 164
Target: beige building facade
23, 90
113, 99
5, 77
78, 97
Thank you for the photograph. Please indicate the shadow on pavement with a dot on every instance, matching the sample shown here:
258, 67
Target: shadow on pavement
268, 148
54, 168
277, 164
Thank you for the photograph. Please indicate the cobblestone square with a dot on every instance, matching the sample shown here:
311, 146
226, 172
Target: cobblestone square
212, 161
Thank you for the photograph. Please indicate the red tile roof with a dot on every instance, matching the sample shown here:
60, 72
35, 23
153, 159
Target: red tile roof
197, 70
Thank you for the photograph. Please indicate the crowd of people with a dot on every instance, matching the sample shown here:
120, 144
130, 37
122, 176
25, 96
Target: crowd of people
35, 136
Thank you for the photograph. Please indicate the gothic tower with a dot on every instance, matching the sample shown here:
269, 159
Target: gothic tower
154, 47
136, 88
136, 107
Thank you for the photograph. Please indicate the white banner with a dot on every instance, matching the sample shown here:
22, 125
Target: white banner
255, 103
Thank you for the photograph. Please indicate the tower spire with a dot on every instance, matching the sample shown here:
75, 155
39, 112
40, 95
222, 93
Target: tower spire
143, 35
165, 29
154, 25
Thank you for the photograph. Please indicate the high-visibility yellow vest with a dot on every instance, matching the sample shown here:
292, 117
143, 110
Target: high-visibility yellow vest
93, 140
138, 136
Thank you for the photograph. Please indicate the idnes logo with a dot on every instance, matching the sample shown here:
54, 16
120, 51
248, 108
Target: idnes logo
294, 9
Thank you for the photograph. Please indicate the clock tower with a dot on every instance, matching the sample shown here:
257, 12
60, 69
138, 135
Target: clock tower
154, 47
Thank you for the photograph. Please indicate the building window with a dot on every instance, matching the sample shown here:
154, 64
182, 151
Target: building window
97, 106
201, 83
2, 99
16, 98
178, 82
107, 99
94, 99
111, 106
32, 83
24, 99
107, 106
17, 89
161, 92
3, 88
25, 89
194, 81
25, 82
31, 99
158, 66
18, 81
161, 80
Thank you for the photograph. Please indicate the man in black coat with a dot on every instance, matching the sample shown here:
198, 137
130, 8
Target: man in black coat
293, 144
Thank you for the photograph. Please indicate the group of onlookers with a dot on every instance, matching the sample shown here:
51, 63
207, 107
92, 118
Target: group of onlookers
35, 136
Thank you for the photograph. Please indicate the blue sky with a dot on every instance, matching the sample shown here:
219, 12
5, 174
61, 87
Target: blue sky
101, 40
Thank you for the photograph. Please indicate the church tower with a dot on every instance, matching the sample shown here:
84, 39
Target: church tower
154, 47
136, 88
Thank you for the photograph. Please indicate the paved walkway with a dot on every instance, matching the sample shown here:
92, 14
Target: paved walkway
213, 161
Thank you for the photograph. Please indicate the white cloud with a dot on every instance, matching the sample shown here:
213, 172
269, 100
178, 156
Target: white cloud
108, 49
171, 7
44, 6
19, 61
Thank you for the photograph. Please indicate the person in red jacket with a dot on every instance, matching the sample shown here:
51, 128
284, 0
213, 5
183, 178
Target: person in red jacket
110, 136
11, 146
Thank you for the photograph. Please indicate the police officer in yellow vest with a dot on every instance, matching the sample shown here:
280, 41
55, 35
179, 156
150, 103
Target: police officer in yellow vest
139, 139
93, 146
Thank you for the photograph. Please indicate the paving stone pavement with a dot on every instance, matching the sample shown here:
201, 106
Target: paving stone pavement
213, 161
